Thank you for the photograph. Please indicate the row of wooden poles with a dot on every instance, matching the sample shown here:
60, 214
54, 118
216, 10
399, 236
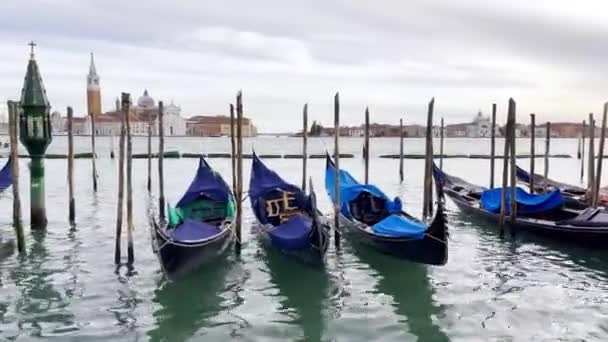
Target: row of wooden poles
509, 166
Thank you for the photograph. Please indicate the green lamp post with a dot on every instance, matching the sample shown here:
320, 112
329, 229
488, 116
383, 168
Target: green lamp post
35, 135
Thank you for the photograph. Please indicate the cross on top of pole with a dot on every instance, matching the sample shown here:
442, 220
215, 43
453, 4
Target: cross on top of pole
32, 45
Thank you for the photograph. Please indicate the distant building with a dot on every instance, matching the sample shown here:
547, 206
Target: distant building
480, 127
57, 123
216, 126
141, 116
457, 130
93, 90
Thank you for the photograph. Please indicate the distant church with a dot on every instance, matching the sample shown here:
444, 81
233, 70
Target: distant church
93, 90
140, 115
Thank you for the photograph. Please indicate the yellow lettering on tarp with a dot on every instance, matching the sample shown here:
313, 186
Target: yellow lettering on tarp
284, 207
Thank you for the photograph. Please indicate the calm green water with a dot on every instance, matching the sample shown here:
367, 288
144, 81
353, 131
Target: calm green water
67, 288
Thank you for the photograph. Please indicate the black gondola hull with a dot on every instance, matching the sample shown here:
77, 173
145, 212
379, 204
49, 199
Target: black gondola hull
587, 236
431, 250
180, 258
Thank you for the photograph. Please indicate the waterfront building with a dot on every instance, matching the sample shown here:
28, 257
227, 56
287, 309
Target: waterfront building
217, 126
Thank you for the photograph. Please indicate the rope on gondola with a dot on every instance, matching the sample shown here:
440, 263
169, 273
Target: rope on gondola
435, 238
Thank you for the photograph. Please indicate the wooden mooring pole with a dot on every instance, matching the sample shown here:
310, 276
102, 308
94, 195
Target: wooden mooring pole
492, 146
513, 154
150, 123
94, 155
505, 176
441, 136
121, 185
304, 145
130, 250
13, 122
427, 199
547, 151
239, 169
337, 169
591, 157
401, 150
532, 150
583, 133
600, 160
161, 160
233, 148
72, 204
366, 133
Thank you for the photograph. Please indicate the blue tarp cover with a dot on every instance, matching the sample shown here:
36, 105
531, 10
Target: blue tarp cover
263, 181
194, 230
400, 226
350, 189
6, 176
293, 234
526, 203
206, 182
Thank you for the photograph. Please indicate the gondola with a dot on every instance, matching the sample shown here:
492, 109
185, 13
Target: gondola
6, 175
287, 216
588, 227
199, 228
575, 196
371, 218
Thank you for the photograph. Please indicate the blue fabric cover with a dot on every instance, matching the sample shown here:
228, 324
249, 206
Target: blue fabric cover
400, 226
194, 230
206, 182
293, 234
263, 182
526, 203
6, 176
350, 189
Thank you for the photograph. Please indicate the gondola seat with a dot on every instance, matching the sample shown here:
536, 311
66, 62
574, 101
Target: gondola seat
400, 226
293, 234
192, 230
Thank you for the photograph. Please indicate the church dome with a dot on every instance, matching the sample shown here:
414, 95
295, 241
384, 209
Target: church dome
145, 100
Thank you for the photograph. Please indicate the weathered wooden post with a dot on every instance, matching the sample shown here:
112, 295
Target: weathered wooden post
532, 150
337, 169
121, 182
366, 145
600, 160
239, 168
591, 157
304, 145
505, 176
441, 146
583, 150
35, 135
493, 146
233, 147
72, 204
512, 111
94, 154
13, 122
401, 150
126, 99
428, 164
161, 159
112, 145
150, 124
547, 151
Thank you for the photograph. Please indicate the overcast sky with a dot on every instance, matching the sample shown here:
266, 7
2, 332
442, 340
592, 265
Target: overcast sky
393, 56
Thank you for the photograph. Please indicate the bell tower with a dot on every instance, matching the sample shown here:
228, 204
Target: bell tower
93, 90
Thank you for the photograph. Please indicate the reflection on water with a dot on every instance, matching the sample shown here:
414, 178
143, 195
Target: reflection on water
302, 292
41, 308
410, 289
186, 305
